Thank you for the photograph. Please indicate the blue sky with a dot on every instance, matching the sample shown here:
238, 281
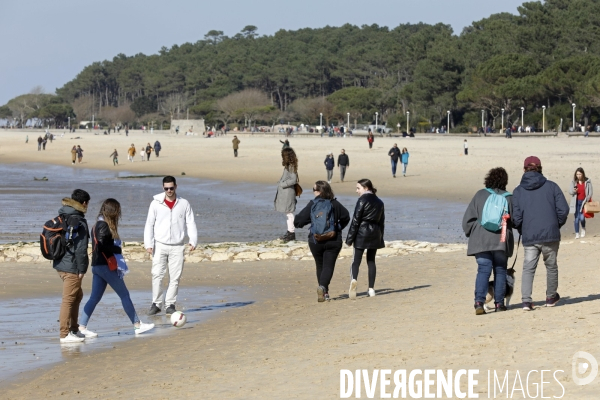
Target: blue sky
48, 43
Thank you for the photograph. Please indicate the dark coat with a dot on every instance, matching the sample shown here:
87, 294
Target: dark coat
329, 163
480, 239
343, 159
368, 222
103, 247
157, 146
340, 215
75, 260
539, 209
394, 153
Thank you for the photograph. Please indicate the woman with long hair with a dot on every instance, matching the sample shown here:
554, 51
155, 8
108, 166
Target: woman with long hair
106, 247
490, 249
285, 199
366, 233
404, 159
581, 191
324, 240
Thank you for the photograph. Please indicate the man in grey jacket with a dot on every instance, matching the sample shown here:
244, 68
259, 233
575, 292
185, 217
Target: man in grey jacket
73, 265
539, 211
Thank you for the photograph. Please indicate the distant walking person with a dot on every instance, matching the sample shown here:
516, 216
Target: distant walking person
236, 144
73, 265
581, 191
286, 144
115, 157
285, 199
404, 159
107, 270
539, 211
508, 133
148, 151
74, 154
40, 140
157, 148
142, 152
370, 139
343, 164
329, 165
44, 142
366, 233
131, 152
80, 153
394, 154
169, 218
325, 247
466, 147
127, 130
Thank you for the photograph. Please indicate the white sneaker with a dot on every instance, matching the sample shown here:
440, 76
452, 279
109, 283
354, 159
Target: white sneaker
143, 328
70, 338
88, 333
371, 292
577, 236
582, 232
352, 291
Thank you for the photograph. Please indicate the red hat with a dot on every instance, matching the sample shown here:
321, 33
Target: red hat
532, 160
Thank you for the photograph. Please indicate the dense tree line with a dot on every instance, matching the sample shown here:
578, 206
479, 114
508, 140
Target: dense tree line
548, 54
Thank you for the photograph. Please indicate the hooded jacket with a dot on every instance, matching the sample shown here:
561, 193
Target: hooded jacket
75, 260
539, 209
329, 163
368, 223
168, 226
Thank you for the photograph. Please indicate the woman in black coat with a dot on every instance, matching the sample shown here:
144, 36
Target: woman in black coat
325, 252
366, 232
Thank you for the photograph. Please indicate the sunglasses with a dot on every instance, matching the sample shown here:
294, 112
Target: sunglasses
169, 189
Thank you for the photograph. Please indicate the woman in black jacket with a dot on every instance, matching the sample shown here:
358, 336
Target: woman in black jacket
107, 270
325, 251
366, 232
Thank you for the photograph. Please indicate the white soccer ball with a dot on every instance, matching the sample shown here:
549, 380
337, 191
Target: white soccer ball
178, 319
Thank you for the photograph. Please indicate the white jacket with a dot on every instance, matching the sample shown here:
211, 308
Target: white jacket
168, 226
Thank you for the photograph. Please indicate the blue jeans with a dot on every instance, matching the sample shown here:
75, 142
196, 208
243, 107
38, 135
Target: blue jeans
394, 165
579, 216
487, 262
101, 277
404, 168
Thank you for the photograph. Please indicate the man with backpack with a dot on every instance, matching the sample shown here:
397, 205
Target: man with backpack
539, 211
73, 265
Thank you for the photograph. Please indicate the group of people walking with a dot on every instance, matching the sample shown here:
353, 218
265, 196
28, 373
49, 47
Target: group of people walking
328, 218
163, 238
537, 209
144, 154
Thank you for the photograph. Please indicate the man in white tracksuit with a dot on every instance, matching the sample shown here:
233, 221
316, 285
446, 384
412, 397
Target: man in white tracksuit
168, 220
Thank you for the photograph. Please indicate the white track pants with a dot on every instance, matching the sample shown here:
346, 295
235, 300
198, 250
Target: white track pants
171, 257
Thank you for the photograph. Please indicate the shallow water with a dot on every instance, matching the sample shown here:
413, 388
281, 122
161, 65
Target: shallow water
239, 212
29, 331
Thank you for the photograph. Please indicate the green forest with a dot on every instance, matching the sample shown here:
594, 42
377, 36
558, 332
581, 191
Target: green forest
547, 54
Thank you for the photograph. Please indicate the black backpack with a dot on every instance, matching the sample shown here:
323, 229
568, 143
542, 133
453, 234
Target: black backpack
57, 236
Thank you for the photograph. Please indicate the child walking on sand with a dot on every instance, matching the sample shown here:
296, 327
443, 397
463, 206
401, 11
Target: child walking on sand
115, 157
466, 147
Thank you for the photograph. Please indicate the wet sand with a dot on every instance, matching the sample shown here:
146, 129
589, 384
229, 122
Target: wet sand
286, 345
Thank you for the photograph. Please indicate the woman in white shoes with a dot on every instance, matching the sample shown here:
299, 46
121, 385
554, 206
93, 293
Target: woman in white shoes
366, 232
108, 268
581, 191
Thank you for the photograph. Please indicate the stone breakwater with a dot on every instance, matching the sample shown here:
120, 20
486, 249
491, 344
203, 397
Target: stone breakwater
236, 252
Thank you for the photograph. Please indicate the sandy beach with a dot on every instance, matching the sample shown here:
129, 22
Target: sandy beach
286, 345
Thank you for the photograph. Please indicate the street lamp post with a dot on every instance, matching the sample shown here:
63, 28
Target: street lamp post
69, 124
503, 120
348, 121
522, 117
573, 116
448, 123
482, 122
408, 121
93, 122
543, 119
376, 116
321, 122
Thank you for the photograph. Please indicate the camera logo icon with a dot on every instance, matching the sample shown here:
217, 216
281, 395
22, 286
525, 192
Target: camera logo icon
584, 363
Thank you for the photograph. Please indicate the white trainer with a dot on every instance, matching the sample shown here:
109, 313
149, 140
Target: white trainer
371, 292
582, 232
352, 291
143, 328
70, 338
577, 236
87, 332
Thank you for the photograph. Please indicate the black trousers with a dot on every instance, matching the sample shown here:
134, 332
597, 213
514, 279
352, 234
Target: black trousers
371, 253
325, 255
235, 152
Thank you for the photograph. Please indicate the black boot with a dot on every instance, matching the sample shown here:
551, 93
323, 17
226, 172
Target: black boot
284, 236
291, 236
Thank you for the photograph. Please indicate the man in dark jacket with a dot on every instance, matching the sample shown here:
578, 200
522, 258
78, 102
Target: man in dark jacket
539, 211
394, 154
329, 164
343, 162
73, 266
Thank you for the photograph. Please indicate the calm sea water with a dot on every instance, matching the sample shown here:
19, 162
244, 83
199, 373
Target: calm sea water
225, 211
